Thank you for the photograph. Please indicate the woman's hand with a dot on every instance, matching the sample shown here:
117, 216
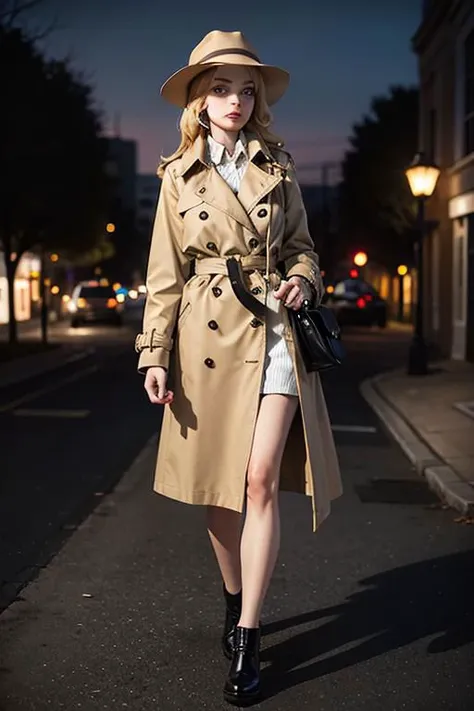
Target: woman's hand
155, 386
293, 292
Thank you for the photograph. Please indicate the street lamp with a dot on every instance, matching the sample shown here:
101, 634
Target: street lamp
422, 177
360, 259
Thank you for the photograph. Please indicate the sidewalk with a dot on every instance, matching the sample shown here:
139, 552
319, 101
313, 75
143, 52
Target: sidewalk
432, 419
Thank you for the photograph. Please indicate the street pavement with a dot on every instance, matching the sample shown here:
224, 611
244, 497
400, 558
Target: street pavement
373, 612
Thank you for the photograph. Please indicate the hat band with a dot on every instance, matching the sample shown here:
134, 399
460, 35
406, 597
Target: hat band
220, 52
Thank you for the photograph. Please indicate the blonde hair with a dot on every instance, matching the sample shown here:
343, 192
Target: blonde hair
259, 122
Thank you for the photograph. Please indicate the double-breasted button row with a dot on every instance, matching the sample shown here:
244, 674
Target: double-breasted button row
213, 325
253, 243
210, 363
217, 291
211, 246
203, 215
255, 323
262, 213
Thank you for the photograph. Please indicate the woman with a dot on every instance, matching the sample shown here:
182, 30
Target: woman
243, 417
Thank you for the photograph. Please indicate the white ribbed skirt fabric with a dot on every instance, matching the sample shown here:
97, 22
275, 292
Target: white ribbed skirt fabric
279, 375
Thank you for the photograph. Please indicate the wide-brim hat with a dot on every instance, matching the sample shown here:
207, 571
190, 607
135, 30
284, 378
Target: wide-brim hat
217, 49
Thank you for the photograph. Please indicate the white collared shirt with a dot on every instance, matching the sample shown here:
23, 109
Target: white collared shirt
230, 168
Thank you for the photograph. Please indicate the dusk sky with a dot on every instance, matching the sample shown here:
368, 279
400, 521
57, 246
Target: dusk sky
339, 54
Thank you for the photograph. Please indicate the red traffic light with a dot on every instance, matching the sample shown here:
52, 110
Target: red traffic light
354, 273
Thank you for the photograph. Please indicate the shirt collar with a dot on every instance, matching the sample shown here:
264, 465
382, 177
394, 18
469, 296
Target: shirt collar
218, 153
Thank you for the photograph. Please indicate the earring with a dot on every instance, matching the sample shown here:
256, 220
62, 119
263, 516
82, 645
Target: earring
203, 120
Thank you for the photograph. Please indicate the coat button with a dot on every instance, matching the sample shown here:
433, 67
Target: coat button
210, 363
262, 212
255, 323
257, 290
203, 215
202, 190
216, 291
213, 325
211, 246
253, 243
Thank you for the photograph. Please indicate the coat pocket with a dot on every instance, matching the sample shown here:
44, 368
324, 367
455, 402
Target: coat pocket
183, 315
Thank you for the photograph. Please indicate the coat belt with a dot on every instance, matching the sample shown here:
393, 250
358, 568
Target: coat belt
234, 267
219, 265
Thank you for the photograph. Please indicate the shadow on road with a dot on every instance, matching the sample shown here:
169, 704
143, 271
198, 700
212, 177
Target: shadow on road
396, 608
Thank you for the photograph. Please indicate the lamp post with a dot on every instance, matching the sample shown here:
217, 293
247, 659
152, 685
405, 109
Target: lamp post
422, 177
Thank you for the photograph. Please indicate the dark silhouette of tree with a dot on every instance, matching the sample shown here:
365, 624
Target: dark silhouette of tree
377, 208
53, 183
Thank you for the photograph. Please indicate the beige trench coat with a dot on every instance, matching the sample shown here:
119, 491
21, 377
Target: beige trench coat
213, 346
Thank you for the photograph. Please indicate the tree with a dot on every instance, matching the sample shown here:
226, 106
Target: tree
377, 208
53, 183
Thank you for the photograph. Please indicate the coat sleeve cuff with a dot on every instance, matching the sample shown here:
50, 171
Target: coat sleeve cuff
153, 358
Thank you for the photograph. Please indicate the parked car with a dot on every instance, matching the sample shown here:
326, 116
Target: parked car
357, 303
92, 302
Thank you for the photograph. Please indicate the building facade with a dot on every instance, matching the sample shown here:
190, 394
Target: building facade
147, 191
444, 43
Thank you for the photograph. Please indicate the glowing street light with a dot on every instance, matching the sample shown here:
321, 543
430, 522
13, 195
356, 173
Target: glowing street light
110, 227
402, 269
360, 259
422, 177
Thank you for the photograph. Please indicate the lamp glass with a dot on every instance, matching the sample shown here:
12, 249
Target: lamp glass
422, 179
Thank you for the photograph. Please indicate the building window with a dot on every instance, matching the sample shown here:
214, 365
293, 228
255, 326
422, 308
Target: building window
469, 94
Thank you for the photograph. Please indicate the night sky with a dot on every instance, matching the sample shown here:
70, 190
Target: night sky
339, 54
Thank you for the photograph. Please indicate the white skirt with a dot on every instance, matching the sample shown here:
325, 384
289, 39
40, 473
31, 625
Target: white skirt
279, 375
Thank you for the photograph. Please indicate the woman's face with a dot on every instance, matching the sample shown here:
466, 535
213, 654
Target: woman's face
231, 98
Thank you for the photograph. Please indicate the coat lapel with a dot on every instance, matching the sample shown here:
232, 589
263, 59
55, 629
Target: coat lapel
214, 190
256, 182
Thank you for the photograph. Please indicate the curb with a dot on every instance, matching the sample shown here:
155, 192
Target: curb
441, 478
17, 371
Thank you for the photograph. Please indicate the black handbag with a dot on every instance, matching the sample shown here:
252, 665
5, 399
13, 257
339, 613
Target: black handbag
319, 337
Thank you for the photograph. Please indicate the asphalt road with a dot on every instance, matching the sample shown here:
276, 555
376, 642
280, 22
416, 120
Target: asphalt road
373, 612
66, 438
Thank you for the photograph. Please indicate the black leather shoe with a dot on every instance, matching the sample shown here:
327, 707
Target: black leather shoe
242, 686
233, 605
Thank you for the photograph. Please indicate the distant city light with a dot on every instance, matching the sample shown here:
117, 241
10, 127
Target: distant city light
55, 289
54, 257
110, 227
402, 269
360, 259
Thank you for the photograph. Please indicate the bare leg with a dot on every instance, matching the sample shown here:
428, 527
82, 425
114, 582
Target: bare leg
225, 527
261, 534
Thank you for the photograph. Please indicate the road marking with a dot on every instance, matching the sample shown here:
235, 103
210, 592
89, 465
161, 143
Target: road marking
43, 391
361, 429
66, 414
